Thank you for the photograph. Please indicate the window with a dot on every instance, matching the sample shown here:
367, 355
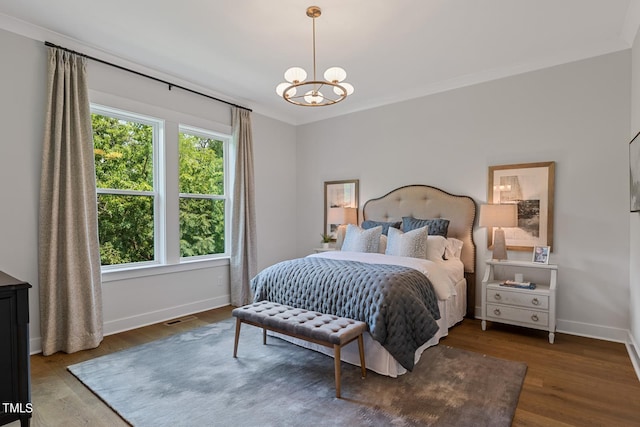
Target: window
202, 192
124, 147
143, 217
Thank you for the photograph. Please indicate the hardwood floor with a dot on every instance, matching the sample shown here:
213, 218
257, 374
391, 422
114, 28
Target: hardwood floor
574, 382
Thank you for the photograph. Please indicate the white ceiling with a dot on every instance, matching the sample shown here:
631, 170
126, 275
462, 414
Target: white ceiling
392, 49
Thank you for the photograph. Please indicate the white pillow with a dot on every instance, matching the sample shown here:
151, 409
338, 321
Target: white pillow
454, 248
360, 240
436, 247
410, 244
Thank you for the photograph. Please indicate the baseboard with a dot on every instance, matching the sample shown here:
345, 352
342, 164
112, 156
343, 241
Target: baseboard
634, 353
144, 319
35, 346
587, 330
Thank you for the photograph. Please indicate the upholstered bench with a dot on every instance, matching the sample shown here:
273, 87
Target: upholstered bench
319, 328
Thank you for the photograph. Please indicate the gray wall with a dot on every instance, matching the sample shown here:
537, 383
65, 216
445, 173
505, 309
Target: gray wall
23, 87
576, 115
634, 219
166, 292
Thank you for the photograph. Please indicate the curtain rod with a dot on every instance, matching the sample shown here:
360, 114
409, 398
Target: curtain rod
169, 84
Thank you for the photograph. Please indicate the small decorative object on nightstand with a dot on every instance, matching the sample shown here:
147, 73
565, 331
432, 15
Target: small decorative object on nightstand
326, 239
523, 304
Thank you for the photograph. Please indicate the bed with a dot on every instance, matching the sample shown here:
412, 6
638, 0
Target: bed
452, 277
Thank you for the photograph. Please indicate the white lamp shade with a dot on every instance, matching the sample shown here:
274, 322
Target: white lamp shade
498, 215
342, 216
281, 88
346, 87
335, 74
312, 97
295, 74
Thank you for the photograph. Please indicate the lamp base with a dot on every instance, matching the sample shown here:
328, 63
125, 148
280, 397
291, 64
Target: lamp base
499, 245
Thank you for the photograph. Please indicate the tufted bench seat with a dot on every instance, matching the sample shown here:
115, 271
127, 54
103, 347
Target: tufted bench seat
319, 328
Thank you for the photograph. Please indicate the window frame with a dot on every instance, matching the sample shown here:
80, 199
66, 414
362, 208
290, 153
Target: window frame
166, 186
157, 125
226, 142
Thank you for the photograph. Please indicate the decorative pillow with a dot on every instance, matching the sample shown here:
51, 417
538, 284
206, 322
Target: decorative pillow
342, 230
436, 248
360, 240
382, 248
454, 248
437, 226
385, 225
411, 244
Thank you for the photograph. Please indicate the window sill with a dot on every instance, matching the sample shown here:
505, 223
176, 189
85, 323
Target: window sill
157, 269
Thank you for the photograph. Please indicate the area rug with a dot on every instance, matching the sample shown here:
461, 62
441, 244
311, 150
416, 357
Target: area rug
192, 379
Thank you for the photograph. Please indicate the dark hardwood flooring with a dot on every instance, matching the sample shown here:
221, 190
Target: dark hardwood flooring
574, 382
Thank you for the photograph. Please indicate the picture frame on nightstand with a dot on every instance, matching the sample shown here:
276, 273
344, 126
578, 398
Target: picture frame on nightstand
541, 254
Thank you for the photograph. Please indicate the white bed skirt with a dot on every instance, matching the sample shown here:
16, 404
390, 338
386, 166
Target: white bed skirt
377, 358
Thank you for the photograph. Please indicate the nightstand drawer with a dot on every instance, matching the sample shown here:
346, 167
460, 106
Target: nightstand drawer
519, 298
503, 313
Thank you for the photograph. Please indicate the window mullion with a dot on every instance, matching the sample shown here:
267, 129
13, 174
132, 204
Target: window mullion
125, 192
171, 198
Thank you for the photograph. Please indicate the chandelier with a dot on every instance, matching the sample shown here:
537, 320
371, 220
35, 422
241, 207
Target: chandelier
307, 93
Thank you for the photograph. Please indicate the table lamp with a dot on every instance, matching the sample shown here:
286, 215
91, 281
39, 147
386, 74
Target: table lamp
499, 216
340, 216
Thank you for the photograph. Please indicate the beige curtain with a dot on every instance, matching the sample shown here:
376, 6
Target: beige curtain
69, 251
243, 218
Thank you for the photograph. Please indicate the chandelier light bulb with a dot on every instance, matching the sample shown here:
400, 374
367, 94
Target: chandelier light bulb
282, 87
313, 97
346, 87
291, 92
295, 75
335, 74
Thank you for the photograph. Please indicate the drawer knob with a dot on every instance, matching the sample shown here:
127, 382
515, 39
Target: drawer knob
534, 317
535, 301
497, 296
496, 312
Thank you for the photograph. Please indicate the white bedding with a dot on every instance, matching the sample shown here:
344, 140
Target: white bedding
450, 285
443, 274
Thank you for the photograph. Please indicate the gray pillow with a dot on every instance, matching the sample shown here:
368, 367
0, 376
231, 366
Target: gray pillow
385, 225
360, 240
410, 244
437, 226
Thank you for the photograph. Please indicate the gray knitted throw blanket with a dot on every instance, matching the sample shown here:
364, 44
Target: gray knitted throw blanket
398, 303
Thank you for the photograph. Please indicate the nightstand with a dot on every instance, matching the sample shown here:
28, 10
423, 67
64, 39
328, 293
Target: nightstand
318, 250
532, 308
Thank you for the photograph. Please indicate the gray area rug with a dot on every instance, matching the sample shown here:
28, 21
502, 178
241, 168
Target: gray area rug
192, 379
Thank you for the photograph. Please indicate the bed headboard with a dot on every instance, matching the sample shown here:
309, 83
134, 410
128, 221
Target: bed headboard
423, 201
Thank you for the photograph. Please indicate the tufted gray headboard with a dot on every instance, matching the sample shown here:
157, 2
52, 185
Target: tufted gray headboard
423, 201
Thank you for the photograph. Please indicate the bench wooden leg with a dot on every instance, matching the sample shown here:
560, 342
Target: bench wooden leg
336, 357
361, 349
264, 336
235, 344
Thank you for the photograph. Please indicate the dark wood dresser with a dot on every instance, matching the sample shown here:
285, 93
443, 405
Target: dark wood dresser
15, 375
